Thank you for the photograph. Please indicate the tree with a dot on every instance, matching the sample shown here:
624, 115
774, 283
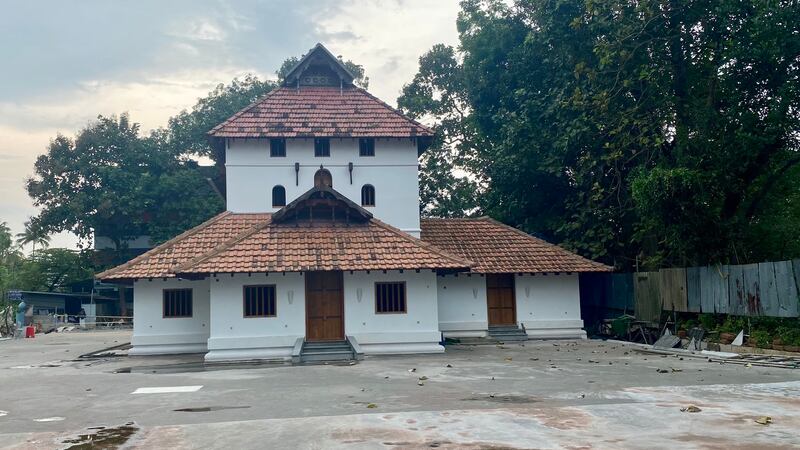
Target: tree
52, 270
437, 93
34, 234
654, 132
110, 181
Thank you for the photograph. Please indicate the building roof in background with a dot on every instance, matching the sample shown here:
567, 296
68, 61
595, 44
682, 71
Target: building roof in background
319, 111
497, 248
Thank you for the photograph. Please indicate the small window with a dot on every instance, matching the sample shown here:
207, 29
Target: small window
259, 301
177, 303
322, 147
366, 147
278, 196
390, 298
367, 195
277, 148
323, 178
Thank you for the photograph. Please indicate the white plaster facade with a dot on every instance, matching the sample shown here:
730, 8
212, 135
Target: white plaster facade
251, 173
218, 325
547, 305
153, 334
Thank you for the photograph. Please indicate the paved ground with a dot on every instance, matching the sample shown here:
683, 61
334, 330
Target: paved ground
564, 394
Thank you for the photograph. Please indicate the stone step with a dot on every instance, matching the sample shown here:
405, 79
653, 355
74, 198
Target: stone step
315, 356
326, 351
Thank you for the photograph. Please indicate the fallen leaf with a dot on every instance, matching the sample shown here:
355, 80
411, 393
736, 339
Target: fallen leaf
764, 420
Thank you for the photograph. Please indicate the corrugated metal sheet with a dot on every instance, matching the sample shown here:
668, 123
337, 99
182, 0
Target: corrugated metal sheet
765, 289
693, 289
672, 289
622, 291
647, 297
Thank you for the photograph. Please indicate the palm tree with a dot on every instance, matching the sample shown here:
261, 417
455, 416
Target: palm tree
34, 234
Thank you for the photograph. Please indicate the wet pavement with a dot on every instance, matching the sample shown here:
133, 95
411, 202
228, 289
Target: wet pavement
552, 394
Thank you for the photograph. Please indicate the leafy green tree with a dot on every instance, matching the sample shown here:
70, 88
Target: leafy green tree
650, 132
450, 178
34, 234
112, 182
53, 269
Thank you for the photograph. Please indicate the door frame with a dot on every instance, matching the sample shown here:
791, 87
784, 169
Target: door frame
513, 298
341, 297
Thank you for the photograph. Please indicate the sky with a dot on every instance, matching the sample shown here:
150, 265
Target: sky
64, 62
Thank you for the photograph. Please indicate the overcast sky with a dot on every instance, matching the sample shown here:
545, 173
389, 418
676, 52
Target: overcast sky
66, 61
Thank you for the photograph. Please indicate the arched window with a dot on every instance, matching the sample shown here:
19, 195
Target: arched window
323, 178
278, 196
367, 195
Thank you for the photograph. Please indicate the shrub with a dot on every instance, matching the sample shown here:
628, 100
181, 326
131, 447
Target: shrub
761, 338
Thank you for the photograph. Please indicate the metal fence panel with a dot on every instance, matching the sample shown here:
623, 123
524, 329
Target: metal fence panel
752, 290
737, 303
693, 293
787, 290
622, 291
646, 296
672, 288
768, 289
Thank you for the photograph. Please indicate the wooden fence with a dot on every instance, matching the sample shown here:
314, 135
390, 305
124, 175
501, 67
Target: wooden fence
764, 289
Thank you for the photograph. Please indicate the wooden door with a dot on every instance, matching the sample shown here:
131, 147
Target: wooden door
500, 299
324, 306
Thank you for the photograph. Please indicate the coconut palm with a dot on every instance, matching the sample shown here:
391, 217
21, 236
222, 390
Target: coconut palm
34, 234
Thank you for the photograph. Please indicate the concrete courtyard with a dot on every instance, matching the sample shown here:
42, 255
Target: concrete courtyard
553, 394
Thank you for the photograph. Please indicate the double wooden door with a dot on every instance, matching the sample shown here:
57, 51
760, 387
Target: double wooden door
500, 299
324, 306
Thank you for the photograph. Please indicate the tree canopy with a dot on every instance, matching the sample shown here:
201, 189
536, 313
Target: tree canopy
649, 133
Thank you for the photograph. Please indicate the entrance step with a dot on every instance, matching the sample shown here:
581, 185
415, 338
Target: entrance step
507, 333
326, 351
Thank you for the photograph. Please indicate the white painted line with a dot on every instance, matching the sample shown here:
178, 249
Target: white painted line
166, 389
49, 419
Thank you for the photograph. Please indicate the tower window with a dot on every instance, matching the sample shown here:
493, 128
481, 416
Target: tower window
322, 147
277, 148
367, 195
278, 196
366, 147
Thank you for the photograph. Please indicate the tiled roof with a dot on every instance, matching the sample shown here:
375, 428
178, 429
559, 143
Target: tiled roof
319, 112
497, 248
241, 243
324, 246
158, 262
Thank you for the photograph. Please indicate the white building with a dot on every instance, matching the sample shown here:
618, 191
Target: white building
322, 243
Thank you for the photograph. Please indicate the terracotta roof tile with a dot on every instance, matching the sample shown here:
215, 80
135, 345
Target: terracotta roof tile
324, 246
157, 262
237, 243
319, 112
497, 248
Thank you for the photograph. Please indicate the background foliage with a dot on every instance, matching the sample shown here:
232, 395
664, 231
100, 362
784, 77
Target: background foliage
644, 134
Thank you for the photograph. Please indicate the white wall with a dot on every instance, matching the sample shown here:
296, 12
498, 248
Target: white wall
462, 305
234, 336
416, 331
251, 174
549, 305
154, 334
